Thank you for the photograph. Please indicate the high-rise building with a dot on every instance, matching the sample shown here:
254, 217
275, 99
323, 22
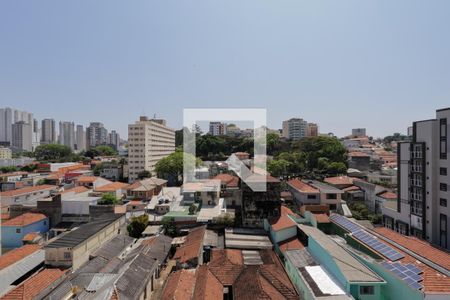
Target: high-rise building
36, 135
295, 129
96, 134
48, 131
358, 132
9, 116
80, 140
67, 134
423, 205
149, 140
312, 129
114, 139
217, 128
22, 136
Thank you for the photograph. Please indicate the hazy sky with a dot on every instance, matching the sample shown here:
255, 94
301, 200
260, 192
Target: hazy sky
342, 64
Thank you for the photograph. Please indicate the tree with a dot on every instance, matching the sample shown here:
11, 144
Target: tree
192, 209
169, 226
29, 168
108, 199
278, 167
137, 226
52, 152
102, 150
8, 169
171, 166
337, 168
144, 174
225, 220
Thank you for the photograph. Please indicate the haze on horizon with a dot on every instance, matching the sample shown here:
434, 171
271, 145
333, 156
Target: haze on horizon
374, 64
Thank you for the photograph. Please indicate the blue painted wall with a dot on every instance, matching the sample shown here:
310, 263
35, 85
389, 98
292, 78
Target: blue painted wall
12, 235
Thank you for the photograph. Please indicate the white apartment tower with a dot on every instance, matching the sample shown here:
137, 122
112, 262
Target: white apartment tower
96, 134
80, 138
295, 129
48, 131
22, 136
114, 139
10, 116
217, 128
67, 134
149, 140
423, 205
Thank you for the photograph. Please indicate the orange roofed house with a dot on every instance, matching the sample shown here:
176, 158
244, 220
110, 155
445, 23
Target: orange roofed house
14, 230
232, 274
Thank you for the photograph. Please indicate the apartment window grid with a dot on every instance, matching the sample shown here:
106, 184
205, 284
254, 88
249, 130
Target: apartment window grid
443, 138
443, 230
443, 202
443, 171
443, 187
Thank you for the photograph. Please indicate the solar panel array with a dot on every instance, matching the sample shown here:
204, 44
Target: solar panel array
366, 238
409, 273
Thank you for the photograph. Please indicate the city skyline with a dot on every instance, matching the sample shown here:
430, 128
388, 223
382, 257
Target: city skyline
326, 62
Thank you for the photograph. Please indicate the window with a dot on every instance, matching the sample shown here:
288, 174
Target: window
366, 290
443, 187
443, 138
67, 255
332, 196
18, 230
443, 171
310, 197
443, 231
443, 202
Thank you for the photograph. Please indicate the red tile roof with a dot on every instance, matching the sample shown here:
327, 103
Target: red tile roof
351, 188
388, 195
207, 286
433, 281
17, 254
192, 246
34, 285
25, 219
302, 187
111, 187
291, 244
358, 154
76, 190
322, 218
29, 237
27, 190
179, 285
226, 265
283, 221
87, 179
339, 180
228, 180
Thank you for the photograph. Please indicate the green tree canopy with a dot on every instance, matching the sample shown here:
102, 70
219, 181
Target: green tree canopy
102, 150
169, 227
52, 152
137, 226
172, 165
108, 199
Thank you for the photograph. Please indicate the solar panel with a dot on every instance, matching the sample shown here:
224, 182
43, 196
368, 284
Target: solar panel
345, 223
374, 243
407, 273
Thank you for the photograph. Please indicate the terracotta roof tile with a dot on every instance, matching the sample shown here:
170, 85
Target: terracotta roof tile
111, 187
322, 218
207, 286
351, 188
388, 195
29, 237
283, 221
226, 265
27, 190
24, 219
192, 245
179, 285
76, 190
87, 179
34, 285
291, 244
17, 254
228, 180
301, 186
339, 180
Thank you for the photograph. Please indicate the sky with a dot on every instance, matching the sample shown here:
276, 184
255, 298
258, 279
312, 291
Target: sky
342, 64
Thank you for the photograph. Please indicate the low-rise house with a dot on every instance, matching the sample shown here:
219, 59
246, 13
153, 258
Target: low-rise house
77, 208
91, 182
73, 248
283, 227
349, 274
207, 192
145, 189
26, 195
33, 286
229, 189
14, 230
13, 176
371, 191
118, 189
232, 274
340, 182
17, 263
382, 197
315, 192
190, 253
